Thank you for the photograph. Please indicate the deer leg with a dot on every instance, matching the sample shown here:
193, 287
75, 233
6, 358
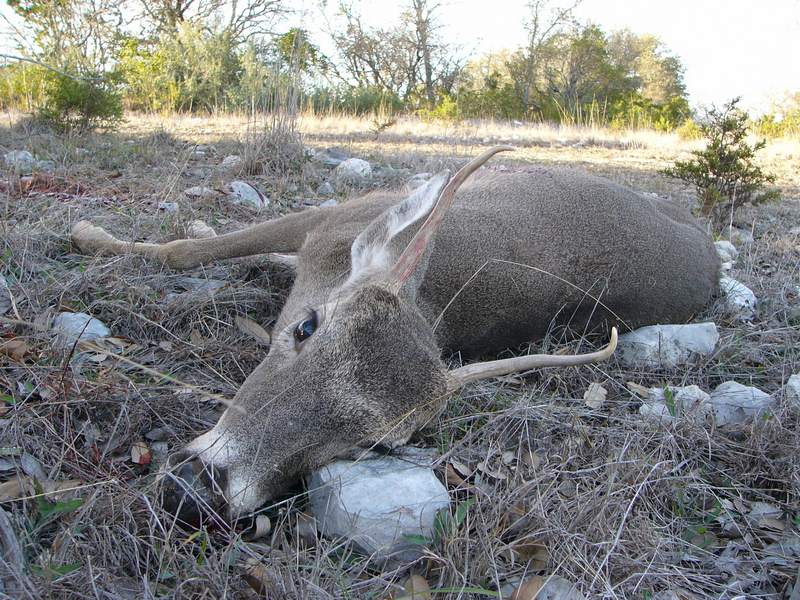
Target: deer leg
285, 234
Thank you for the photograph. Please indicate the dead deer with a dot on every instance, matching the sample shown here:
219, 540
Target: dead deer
387, 282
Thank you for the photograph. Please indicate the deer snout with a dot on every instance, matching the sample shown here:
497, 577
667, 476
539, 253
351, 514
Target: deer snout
192, 490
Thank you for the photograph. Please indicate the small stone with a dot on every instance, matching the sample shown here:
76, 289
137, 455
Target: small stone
159, 434
727, 252
232, 161
792, 390
739, 301
45, 165
326, 189
353, 171
667, 346
5, 296
734, 403
69, 327
200, 191
377, 503
331, 157
726, 267
20, 161
328, 202
169, 207
245, 193
684, 402
418, 180
198, 230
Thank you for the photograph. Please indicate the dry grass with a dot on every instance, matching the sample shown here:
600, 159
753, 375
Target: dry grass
622, 506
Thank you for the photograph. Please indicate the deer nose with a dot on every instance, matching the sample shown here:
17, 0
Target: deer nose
192, 490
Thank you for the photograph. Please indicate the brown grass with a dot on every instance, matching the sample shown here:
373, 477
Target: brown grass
623, 507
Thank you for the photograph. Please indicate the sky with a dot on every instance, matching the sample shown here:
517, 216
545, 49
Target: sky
730, 48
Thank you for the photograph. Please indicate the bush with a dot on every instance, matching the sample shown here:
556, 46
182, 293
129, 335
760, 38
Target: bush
689, 130
72, 103
724, 172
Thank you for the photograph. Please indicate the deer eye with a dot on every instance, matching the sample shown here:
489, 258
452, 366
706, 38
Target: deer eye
306, 328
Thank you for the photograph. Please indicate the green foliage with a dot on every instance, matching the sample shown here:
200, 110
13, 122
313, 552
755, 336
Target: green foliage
22, 86
70, 103
445, 109
689, 130
724, 172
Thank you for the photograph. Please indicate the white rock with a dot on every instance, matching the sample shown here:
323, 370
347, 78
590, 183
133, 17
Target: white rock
734, 403
5, 296
170, 207
352, 171
328, 202
418, 180
667, 346
739, 301
69, 327
326, 189
686, 402
726, 267
198, 230
727, 252
245, 193
200, 191
232, 161
375, 502
20, 161
791, 392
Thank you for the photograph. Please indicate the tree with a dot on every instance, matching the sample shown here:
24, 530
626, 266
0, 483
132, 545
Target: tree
399, 59
547, 18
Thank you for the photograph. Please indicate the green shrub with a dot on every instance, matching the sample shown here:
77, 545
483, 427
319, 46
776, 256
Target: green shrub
446, 109
689, 130
773, 126
724, 172
72, 103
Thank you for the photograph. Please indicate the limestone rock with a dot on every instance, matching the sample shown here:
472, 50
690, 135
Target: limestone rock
791, 392
246, 193
69, 327
739, 301
353, 171
667, 346
727, 252
326, 189
233, 161
689, 402
734, 403
5, 296
376, 502
418, 180
200, 191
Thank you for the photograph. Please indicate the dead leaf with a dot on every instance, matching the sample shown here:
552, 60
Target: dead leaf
307, 529
452, 477
772, 523
534, 551
533, 459
254, 330
462, 469
22, 487
166, 346
637, 389
529, 589
568, 488
197, 339
260, 528
595, 396
484, 468
256, 576
509, 457
140, 453
414, 588
15, 349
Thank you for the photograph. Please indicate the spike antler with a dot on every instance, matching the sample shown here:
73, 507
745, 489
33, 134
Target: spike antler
413, 253
496, 368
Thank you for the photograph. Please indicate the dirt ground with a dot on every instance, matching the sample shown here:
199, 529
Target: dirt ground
622, 506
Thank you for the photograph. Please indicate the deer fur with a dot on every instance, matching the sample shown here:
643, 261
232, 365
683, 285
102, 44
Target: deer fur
517, 254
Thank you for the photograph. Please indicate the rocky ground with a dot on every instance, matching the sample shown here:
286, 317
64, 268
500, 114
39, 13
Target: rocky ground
669, 472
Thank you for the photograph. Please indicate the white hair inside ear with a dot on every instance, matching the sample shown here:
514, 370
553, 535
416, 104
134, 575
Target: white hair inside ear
372, 251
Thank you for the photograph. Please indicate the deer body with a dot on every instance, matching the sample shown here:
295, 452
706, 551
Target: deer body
355, 357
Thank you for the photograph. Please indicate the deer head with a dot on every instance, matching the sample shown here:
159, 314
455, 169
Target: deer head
351, 365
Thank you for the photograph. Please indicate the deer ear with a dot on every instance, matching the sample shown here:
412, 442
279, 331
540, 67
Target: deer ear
376, 249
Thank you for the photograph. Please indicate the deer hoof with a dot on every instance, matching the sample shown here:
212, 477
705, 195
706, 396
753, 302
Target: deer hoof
90, 239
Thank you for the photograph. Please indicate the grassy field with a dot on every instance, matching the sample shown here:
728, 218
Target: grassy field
622, 506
